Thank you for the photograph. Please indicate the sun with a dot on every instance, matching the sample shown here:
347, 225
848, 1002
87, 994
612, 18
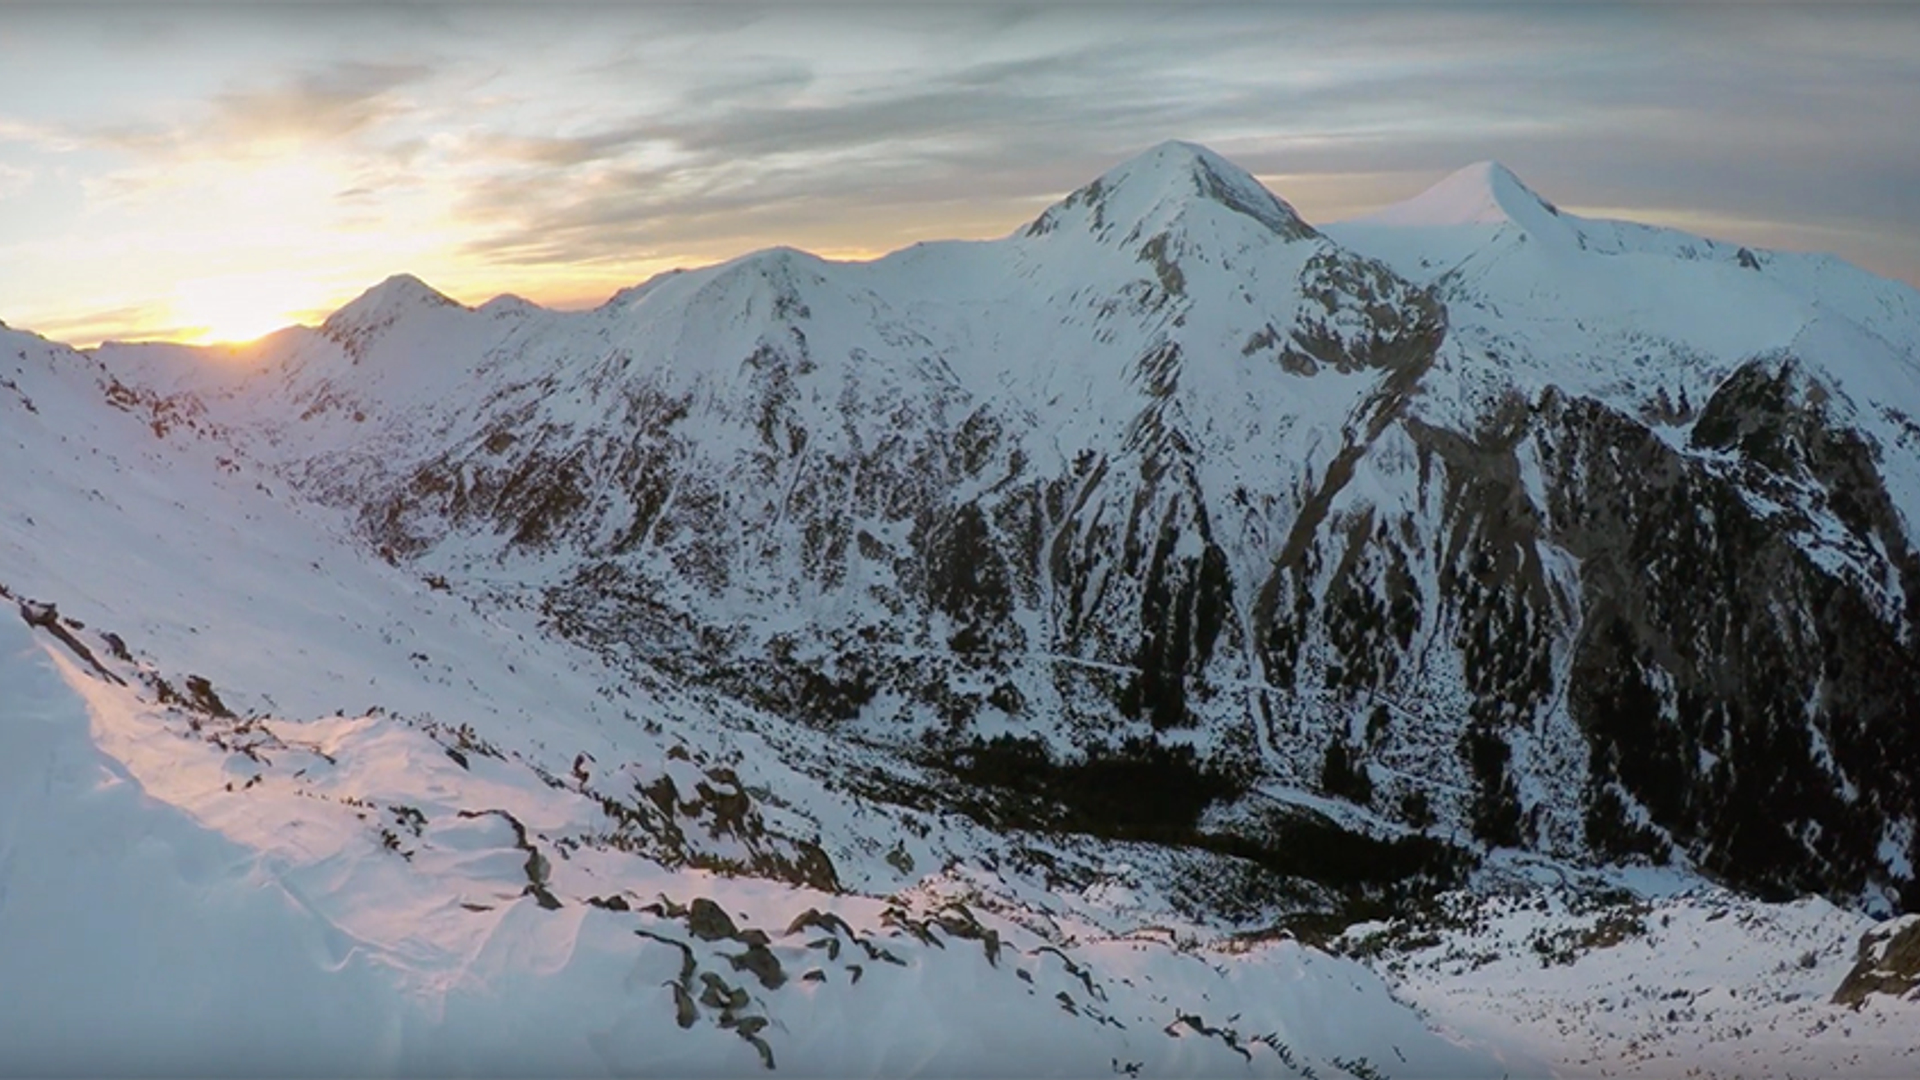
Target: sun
236, 308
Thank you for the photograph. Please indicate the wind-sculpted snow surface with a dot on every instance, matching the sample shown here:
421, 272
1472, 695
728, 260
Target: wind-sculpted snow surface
1045, 614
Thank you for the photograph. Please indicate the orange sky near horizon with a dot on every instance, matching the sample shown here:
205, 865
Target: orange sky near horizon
198, 174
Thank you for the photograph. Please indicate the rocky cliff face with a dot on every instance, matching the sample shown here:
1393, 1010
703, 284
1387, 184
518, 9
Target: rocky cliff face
1171, 479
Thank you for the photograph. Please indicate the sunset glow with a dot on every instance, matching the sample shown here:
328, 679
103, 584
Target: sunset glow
259, 166
242, 307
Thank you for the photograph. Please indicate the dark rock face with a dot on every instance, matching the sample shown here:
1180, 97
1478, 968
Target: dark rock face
1743, 694
1758, 703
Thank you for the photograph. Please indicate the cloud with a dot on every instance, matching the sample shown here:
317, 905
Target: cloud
554, 151
14, 180
708, 129
130, 323
751, 79
335, 102
528, 139
44, 137
748, 153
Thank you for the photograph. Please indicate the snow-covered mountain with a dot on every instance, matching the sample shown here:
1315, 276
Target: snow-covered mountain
1717, 446
1041, 609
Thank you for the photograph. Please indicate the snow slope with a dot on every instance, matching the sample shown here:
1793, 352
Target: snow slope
1623, 310
225, 913
134, 937
229, 876
1693, 981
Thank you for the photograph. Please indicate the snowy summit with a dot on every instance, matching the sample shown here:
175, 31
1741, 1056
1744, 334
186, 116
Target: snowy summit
1484, 193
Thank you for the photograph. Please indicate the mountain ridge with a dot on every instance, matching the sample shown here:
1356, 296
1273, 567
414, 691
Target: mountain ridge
1027, 637
1482, 193
1160, 435
794, 370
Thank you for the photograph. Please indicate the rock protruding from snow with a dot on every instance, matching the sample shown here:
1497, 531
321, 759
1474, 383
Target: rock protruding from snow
1889, 962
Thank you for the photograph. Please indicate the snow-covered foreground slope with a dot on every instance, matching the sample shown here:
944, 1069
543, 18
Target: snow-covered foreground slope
130, 933
189, 893
196, 893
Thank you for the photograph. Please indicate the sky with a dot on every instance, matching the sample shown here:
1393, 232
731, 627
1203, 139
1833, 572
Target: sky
214, 172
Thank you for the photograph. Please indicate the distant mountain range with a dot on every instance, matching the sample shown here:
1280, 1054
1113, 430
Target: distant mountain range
1305, 571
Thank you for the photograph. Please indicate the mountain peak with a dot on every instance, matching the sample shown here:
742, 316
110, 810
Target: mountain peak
1169, 177
1483, 193
1174, 162
386, 302
406, 288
